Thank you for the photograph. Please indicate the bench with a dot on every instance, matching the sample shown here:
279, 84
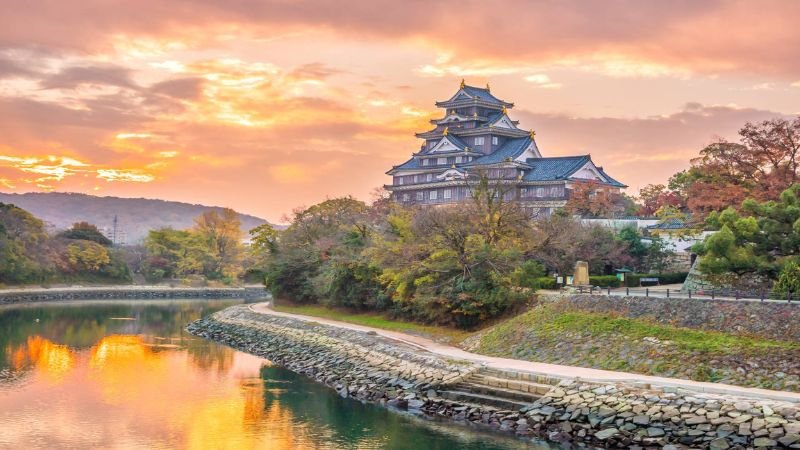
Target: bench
642, 281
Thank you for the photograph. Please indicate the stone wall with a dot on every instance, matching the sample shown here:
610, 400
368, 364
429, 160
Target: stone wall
771, 320
372, 368
121, 292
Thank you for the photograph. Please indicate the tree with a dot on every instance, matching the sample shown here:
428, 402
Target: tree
655, 198
222, 236
789, 279
24, 246
754, 241
87, 232
560, 241
591, 198
173, 253
760, 166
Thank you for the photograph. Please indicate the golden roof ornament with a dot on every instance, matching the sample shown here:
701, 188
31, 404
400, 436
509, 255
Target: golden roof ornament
462, 83
452, 166
505, 111
532, 134
474, 114
446, 131
487, 87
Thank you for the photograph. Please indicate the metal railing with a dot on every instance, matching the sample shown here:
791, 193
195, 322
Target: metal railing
728, 294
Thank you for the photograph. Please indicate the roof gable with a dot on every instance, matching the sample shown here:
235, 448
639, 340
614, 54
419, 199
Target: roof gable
503, 121
448, 143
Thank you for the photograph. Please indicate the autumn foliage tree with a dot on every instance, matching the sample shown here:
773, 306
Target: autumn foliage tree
760, 166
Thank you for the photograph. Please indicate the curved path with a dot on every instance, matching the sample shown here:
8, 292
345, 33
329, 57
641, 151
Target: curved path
551, 370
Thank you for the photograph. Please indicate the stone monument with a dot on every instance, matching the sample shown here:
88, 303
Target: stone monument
581, 274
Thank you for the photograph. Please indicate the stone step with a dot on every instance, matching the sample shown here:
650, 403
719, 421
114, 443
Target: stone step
516, 376
513, 385
472, 398
500, 392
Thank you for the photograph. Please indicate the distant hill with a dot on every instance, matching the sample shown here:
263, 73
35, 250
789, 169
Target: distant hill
135, 216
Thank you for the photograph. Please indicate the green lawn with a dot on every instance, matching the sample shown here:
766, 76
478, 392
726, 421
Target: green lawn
549, 322
441, 334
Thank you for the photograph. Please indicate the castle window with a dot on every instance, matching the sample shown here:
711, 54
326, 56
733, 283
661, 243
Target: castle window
540, 192
399, 180
495, 140
555, 191
420, 196
429, 177
523, 192
406, 197
442, 161
416, 178
425, 162
433, 195
458, 159
446, 194
479, 140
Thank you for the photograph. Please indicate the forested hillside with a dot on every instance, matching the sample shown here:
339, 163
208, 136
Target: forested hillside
136, 216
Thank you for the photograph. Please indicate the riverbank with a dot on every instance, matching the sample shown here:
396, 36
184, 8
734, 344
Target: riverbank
544, 402
26, 295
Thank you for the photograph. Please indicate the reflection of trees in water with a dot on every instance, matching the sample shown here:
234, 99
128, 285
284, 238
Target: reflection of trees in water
209, 357
82, 325
51, 360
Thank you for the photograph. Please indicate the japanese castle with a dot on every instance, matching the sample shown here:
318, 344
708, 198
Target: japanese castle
477, 137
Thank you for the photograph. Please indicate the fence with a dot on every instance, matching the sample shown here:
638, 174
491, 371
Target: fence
728, 294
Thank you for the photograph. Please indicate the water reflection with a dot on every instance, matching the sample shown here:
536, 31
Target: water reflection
86, 379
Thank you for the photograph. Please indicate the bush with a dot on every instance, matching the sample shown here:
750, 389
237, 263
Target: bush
546, 283
605, 281
528, 275
789, 279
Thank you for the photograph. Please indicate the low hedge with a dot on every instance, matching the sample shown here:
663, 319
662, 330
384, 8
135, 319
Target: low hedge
546, 283
605, 281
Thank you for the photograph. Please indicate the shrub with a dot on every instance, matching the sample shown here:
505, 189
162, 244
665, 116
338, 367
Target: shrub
546, 283
605, 281
789, 279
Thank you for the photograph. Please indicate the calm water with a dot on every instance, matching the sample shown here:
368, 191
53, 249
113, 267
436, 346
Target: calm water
125, 375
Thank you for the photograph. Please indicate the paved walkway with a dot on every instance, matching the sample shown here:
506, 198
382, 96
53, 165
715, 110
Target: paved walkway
552, 370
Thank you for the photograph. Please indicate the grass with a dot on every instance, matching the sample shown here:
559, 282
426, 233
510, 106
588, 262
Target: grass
549, 322
375, 320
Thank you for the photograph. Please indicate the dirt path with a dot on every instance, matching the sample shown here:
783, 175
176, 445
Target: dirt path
552, 370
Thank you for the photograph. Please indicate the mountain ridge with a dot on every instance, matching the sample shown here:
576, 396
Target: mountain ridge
135, 216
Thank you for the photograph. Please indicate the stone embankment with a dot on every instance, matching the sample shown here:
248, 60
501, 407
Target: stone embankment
122, 292
769, 320
372, 368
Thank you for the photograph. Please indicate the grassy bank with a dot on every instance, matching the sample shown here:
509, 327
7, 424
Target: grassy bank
382, 321
579, 338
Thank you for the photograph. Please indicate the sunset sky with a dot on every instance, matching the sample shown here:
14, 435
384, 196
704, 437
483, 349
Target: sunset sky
267, 106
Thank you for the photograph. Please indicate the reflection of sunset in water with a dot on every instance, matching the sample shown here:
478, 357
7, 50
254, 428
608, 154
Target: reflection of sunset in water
51, 361
91, 382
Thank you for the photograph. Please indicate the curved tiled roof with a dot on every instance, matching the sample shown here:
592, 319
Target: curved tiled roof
481, 93
512, 148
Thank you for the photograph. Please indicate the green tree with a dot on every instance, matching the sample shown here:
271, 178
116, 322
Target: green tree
789, 279
25, 249
87, 232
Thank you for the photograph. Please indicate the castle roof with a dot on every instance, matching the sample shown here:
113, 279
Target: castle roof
468, 93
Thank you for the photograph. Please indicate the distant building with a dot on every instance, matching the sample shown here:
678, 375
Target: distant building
679, 238
476, 136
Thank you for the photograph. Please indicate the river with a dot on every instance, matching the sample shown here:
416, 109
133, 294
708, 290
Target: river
125, 375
